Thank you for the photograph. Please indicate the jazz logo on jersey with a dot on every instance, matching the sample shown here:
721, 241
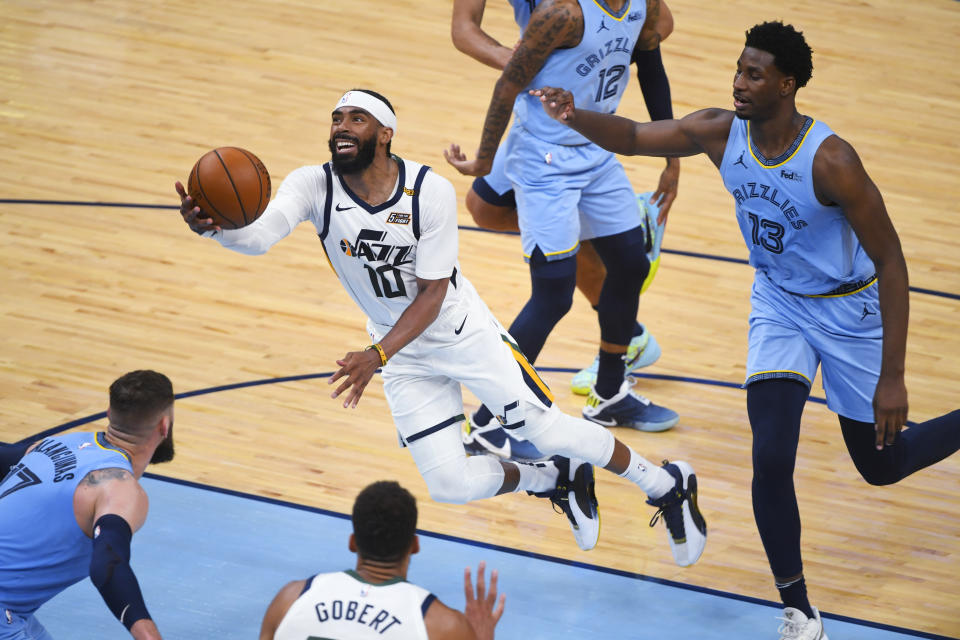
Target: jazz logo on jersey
398, 218
369, 246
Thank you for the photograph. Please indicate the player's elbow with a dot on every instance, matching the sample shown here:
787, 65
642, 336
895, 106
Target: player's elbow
464, 37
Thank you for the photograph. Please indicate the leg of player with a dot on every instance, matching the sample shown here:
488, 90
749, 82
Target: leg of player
643, 350
552, 284
491, 203
612, 402
496, 212
774, 408
671, 488
915, 448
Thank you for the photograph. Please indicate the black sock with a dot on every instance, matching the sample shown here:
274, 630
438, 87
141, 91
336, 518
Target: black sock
609, 374
794, 594
482, 417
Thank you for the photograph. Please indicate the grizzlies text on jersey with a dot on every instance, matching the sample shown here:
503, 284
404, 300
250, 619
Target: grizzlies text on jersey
802, 245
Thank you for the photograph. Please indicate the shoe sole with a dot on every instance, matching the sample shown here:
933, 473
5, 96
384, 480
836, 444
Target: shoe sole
650, 427
693, 519
585, 545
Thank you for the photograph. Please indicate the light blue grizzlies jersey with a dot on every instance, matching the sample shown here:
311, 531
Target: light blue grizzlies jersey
801, 245
42, 549
596, 71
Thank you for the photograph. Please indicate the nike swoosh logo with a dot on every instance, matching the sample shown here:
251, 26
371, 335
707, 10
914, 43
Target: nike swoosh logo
503, 451
457, 331
339, 208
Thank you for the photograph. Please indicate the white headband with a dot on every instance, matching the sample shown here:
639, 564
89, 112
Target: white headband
372, 105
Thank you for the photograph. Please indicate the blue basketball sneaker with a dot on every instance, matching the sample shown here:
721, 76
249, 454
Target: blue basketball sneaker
681, 514
575, 495
628, 409
642, 352
494, 439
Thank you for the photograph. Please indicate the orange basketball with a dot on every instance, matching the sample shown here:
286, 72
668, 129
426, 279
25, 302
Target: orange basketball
231, 186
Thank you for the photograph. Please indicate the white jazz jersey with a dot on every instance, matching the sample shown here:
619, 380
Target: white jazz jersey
378, 252
343, 606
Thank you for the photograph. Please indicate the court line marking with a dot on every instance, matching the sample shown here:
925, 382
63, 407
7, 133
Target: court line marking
442, 536
690, 254
562, 561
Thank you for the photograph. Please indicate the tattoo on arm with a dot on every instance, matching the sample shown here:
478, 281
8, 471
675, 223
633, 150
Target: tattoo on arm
555, 25
649, 38
105, 475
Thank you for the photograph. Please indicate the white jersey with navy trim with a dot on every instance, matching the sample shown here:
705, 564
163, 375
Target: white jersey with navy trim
802, 245
377, 252
343, 605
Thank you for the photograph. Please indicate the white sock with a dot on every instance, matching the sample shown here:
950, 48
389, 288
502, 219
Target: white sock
537, 476
653, 480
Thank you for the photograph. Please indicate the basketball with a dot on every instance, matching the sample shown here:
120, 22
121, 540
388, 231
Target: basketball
231, 186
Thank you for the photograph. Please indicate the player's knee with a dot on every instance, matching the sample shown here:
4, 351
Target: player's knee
463, 479
451, 488
490, 216
631, 269
557, 433
878, 468
553, 305
772, 462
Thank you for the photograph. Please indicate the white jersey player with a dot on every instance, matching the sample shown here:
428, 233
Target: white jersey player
374, 600
389, 230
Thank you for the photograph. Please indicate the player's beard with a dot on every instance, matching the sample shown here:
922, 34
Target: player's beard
366, 149
164, 451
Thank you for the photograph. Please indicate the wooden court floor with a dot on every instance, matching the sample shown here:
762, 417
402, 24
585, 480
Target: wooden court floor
110, 101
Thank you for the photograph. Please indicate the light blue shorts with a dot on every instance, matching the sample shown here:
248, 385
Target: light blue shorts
14, 626
497, 180
566, 194
790, 335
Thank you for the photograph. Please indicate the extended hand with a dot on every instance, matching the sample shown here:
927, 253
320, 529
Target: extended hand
558, 103
666, 191
191, 213
480, 611
458, 160
358, 368
889, 409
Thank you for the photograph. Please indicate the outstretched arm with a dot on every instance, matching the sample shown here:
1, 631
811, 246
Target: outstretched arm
702, 131
839, 178
357, 367
470, 38
553, 24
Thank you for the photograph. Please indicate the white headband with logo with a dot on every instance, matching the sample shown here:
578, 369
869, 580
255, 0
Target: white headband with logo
372, 105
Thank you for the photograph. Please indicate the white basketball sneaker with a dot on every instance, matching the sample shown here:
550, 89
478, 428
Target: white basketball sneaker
797, 626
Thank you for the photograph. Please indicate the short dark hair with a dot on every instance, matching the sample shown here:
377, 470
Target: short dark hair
380, 96
791, 53
384, 521
137, 398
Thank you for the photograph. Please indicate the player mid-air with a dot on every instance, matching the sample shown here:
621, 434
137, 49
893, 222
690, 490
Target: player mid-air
388, 227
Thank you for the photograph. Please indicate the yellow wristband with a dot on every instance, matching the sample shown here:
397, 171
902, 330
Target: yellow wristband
379, 349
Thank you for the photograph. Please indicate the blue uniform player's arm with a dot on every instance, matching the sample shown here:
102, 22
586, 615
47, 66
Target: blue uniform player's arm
553, 24
10, 455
